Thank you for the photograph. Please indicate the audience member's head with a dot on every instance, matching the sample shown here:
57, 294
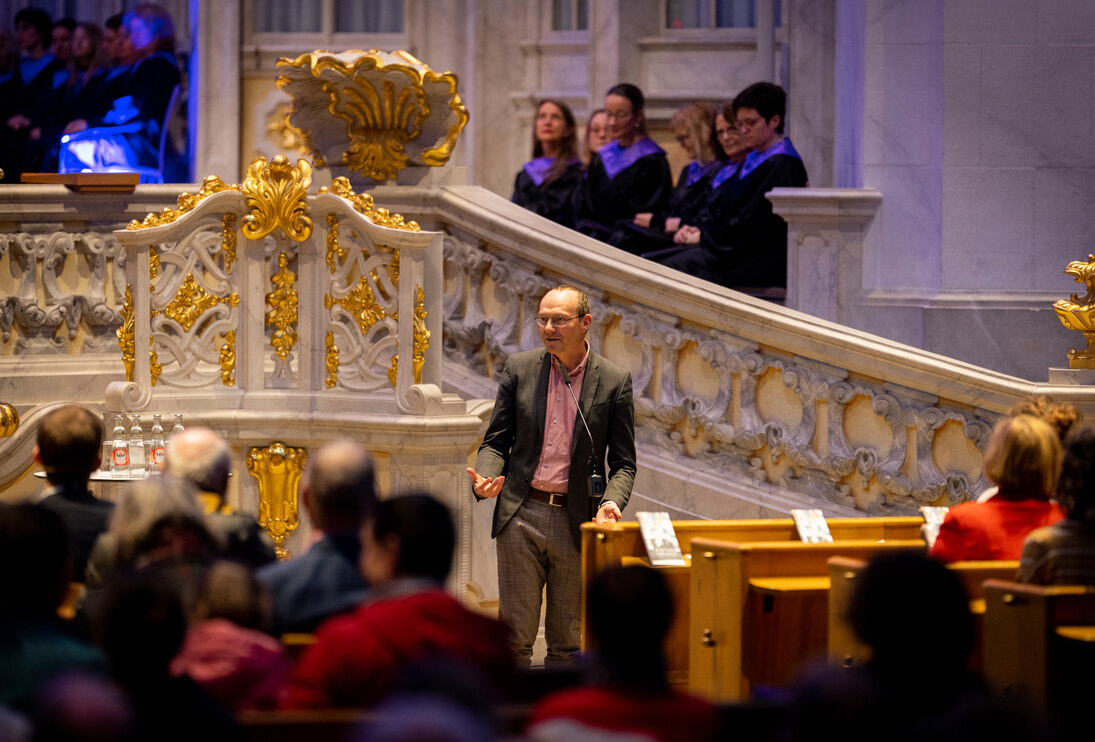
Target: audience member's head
692, 125
728, 135
149, 29
111, 37
597, 132
624, 108
142, 627
69, 444
630, 610
33, 29
201, 457
764, 99
1076, 486
86, 42
409, 536
34, 546
339, 486
160, 519
896, 596
230, 591
79, 707
555, 129
1023, 458
61, 38
1061, 416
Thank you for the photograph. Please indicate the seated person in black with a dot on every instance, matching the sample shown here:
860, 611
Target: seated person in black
738, 241
627, 176
25, 134
693, 126
550, 184
597, 135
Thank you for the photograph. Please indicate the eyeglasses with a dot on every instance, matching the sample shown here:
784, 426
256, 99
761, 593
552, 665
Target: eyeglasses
747, 123
618, 115
556, 321
731, 131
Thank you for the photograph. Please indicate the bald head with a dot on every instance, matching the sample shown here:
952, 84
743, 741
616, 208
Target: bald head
341, 485
201, 457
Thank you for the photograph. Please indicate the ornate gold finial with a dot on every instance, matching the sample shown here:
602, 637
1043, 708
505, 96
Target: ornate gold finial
228, 359
186, 202
192, 301
277, 196
374, 112
283, 301
363, 204
335, 254
278, 469
361, 303
332, 360
228, 241
154, 367
9, 420
1078, 313
421, 335
126, 332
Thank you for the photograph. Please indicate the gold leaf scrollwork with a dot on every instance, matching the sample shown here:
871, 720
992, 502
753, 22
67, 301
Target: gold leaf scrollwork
192, 301
332, 360
335, 254
379, 123
154, 367
278, 469
393, 268
227, 359
228, 241
186, 202
363, 204
277, 196
393, 370
283, 302
125, 334
421, 335
361, 303
1078, 312
153, 265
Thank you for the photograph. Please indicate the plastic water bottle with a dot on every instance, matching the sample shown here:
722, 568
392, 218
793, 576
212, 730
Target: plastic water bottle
136, 449
108, 447
157, 453
119, 451
178, 426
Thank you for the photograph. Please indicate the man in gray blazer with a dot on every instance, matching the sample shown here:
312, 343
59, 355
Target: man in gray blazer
536, 459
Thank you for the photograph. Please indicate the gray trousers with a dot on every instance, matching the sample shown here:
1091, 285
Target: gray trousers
535, 548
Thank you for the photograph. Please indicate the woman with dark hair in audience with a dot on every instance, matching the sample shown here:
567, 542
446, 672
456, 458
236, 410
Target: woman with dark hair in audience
1023, 458
629, 175
1064, 553
25, 134
550, 184
597, 135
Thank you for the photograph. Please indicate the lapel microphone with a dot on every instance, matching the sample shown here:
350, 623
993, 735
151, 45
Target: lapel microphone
595, 486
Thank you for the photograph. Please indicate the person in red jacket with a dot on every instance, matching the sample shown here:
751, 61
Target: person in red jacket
410, 621
1023, 460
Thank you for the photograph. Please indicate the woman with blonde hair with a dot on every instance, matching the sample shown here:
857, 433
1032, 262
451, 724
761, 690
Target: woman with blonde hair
1023, 460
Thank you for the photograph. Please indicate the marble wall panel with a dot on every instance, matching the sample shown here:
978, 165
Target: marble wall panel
993, 21
903, 119
567, 72
701, 72
903, 249
1065, 21
1064, 223
963, 114
904, 21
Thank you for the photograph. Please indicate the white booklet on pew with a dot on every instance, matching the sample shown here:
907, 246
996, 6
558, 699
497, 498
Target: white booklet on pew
811, 526
933, 518
661, 540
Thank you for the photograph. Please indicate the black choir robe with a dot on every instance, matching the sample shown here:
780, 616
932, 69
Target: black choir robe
557, 200
689, 196
622, 182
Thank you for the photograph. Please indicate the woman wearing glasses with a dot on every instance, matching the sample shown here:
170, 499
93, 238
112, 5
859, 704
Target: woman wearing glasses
629, 175
550, 184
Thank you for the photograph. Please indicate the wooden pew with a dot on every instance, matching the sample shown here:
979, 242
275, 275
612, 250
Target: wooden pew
326, 725
758, 610
615, 544
1038, 644
846, 650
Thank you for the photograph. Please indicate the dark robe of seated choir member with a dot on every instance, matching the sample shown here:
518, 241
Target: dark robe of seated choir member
743, 242
689, 196
550, 190
622, 182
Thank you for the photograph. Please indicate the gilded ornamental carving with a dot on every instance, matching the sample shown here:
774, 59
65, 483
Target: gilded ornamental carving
1078, 312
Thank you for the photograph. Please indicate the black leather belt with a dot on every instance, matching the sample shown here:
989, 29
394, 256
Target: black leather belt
555, 499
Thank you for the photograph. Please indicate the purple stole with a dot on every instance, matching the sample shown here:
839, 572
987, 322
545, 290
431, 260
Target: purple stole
754, 159
696, 171
616, 159
538, 169
725, 174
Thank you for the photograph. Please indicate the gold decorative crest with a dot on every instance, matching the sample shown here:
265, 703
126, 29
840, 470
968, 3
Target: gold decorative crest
361, 303
278, 469
186, 202
276, 194
1078, 313
421, 335
192, 301
283, 302
125, 334
228, 359
228, 241
332, 360
363, 204
335, 254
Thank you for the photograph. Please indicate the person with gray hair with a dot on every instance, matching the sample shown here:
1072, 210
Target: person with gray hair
203, 458
339, 493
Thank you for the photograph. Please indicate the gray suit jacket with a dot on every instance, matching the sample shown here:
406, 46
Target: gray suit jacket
515, 435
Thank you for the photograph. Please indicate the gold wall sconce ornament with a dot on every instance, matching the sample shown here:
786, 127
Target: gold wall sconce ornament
372, 113
278, 469
1078, 313
9, 420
